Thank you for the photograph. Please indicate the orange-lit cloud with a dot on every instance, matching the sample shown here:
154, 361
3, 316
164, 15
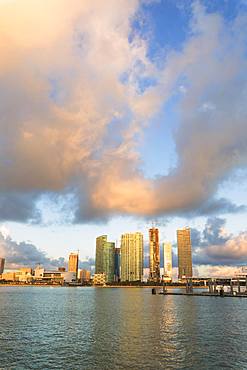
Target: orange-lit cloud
69, 73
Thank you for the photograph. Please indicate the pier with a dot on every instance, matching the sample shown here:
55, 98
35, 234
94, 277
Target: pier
233, 290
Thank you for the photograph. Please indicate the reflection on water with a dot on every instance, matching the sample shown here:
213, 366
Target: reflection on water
95, 328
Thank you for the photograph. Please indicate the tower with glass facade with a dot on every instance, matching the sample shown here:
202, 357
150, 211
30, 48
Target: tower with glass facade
184, 253
105, 258
154, 254
132, 257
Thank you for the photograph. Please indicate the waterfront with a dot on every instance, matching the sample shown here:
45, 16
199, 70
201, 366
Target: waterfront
92, 328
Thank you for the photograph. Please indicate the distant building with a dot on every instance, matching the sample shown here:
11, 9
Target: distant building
99, 279
167, 248
68, 276
154, 254
85, 276
132, 257
117, 259
54, 276
2, 263
184, 253
9, 276
105, 258
25, 274
73, 263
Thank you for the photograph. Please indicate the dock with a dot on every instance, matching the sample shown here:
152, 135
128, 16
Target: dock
206, 294
234, 290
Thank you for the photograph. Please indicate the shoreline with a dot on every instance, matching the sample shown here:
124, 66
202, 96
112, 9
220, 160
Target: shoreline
100, 286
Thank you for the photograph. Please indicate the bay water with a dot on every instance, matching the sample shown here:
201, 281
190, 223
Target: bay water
119, 328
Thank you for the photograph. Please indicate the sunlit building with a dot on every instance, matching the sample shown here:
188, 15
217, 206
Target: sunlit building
2, 262
132, 257
184, 253
73, 263
85, 276
154, 254
99, 279
105, 258
167, 249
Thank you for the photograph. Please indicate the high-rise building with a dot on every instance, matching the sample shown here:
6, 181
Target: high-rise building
117, 264
154, 254
105, 258
2, 262
132, 257
184, 253
73, 263
167, 260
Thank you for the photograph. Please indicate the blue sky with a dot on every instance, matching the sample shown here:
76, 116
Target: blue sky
125, 114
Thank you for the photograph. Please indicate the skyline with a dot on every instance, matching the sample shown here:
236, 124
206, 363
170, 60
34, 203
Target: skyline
118, 116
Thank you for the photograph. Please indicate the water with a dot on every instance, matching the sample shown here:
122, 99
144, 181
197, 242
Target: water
95, 328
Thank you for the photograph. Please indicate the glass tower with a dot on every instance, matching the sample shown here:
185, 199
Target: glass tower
167, 260
105, 258
132, 257
154, 254
184, 253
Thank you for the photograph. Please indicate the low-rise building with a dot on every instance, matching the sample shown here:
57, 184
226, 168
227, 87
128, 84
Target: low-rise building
99, 279
9, 276
85, 276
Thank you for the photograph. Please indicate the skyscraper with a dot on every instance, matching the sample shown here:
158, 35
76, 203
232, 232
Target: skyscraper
154, 254
184, 253
105, 257
117, 259
73, 263
167, 260
2, 262
132, 257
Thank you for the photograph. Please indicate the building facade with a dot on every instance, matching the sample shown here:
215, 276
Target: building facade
73, 263
167, 248
184, 253
154, 254
99, 279
105, 258
2, 263
132, 257
117, 258
85, 276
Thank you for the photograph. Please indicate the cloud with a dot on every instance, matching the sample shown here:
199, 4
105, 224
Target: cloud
25, 254
75, 100
220, 271
215, 246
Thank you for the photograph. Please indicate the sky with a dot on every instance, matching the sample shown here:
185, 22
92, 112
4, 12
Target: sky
119, 115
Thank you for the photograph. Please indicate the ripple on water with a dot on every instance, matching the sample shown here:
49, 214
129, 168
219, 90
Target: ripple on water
90, 328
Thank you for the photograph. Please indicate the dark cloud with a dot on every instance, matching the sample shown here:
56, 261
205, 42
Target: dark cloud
25, 254
214, 246
21, 207
218, 206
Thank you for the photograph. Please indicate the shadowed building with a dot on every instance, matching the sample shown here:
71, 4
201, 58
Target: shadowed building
2, 262
184, 253
154, 254
73, 263
117, 264
132, 257
105, 258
